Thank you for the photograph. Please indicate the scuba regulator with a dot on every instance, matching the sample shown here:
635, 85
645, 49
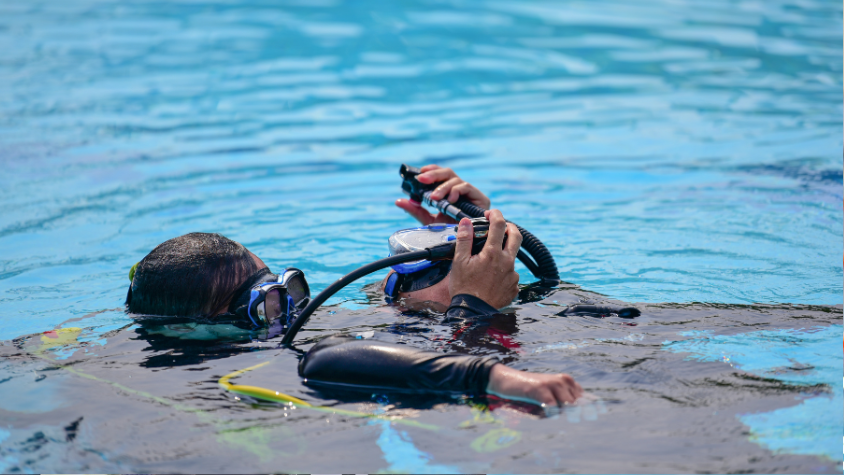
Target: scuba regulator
544, 268
539, 261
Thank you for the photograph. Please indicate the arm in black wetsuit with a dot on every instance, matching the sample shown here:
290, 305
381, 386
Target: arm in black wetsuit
601, 310
374, 364
465, 306
378, 365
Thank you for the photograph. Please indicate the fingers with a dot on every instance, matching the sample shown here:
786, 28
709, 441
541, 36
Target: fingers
567, 390
562, 395
463, 248
466, 189
513, 285
547, 397
497, 226
435, 175
451, 186
416, 210
445, 188
571, 388
514, 240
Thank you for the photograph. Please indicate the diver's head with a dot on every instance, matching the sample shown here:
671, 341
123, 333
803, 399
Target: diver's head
420, 280
195, 275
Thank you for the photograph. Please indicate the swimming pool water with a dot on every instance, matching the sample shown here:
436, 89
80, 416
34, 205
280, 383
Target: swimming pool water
666, 152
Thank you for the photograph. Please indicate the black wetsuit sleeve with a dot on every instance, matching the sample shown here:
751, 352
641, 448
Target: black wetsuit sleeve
600, 310
374, 364
466, 306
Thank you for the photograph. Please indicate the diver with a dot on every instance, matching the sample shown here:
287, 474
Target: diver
211, 279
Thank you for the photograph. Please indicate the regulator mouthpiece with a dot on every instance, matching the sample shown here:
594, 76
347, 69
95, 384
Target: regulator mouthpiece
411, 185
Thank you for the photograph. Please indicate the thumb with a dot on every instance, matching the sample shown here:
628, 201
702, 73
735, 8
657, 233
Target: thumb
463, 249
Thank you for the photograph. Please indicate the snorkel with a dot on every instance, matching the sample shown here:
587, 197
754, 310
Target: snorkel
542, 266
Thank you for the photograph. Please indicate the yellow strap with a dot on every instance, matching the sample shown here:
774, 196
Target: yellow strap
65, 336
276, 396
255, 391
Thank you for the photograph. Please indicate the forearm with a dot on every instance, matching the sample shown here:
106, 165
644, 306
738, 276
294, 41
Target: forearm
374, 364
367, 364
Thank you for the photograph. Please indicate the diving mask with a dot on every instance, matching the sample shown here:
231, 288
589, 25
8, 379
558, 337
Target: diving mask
417, 275
416, 239
266, 299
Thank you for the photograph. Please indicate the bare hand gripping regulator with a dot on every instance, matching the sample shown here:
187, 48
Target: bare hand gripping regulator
542, 265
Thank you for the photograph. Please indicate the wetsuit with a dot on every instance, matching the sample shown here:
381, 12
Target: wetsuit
346, 361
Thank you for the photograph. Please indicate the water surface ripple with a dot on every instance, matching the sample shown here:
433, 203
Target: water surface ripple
665, 151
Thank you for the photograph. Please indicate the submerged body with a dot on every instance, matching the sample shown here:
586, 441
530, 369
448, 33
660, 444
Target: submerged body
667, 377
236, 289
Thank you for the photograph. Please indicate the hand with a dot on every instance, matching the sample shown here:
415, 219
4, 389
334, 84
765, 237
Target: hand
452, 188
489, 275
548, 390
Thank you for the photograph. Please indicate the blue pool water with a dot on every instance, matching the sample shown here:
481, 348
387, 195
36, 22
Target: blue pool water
688, 153
798, 356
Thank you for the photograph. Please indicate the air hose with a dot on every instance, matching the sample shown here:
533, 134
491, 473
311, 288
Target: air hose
435, 253
544, 268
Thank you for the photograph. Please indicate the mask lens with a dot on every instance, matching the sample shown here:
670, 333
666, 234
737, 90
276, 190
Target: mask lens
272, 305
296, 289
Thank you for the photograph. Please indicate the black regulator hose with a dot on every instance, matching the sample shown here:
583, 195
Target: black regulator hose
435, 253
544, 268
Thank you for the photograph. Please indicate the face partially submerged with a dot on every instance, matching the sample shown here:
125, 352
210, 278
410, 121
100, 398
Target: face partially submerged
437, 293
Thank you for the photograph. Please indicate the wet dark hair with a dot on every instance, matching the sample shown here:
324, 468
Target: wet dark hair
194, 275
